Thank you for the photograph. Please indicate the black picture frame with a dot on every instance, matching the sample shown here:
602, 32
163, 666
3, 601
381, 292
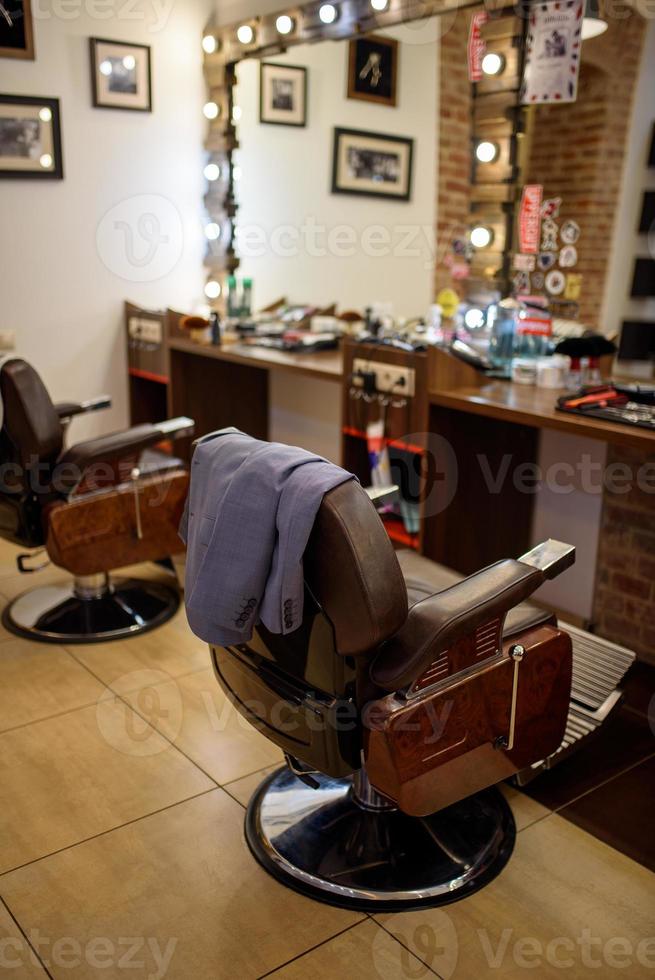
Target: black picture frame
385, 141
359, 51
643, 279
265, 117
57, 170
97, 102
651, 154
17, 30
647, 217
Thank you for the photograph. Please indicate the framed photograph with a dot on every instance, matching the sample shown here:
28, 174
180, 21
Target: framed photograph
373, 69
30, 137
120, 75
282, 94
16, 30
372, 164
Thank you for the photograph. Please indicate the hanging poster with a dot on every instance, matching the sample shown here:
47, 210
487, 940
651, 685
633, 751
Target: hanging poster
552, 61
530, 218
476, 46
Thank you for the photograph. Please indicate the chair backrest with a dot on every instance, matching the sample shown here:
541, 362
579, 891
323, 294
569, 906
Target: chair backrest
31, 433
352, 570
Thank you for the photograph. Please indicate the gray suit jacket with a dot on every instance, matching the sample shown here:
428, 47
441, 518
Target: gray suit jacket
249, 513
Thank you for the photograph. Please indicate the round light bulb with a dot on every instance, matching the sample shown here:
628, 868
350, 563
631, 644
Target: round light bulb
236, 113
212, 171
212, 289
327, 13
45, 114
105, 67
481, 236
236, 173
212, 231
474, 319
379, 4
210, 110
129, 62
284, 24
486, 152
209, 44
45, 160
245, 34
492, 63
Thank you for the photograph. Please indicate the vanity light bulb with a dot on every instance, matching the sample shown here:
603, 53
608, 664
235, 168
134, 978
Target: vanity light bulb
284, 24
236, 113
212, 289
481, 236
212, 231
236, 173
327, 13
492, 63
212, 171
474, 318
209, 44
486, 152
245, 34
379, 4
210, 110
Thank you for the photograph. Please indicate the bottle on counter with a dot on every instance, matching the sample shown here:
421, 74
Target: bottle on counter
503, 318
233, 305
246, 297
534, 330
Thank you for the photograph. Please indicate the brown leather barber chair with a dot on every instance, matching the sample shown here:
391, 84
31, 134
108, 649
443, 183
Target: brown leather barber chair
102, 504
404, 696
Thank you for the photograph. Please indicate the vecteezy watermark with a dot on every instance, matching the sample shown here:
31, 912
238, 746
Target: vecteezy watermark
141, 238
566, 952
434, 949
144, 953
153, 14
155, 703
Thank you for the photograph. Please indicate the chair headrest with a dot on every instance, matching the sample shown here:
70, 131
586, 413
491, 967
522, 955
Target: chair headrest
30, 421
352, 570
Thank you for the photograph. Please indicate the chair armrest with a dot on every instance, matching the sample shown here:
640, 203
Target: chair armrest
437, 622
68, 410
114, 448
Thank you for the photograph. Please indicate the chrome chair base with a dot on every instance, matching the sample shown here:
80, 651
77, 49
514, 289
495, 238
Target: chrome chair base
90, 609
326, 844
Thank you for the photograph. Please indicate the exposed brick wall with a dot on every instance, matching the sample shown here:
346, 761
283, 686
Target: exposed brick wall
577, 150
454, 146
624, 601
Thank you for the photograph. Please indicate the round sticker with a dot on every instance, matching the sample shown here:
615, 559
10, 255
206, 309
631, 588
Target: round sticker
568, 256
546, 260
555, 282
448, 300
537, 280
570, 232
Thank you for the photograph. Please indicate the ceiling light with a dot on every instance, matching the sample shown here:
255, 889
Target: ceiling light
327, 13
492, 63
210, 110
212, 171
209, 44
245, 34
486, 152
481, 236
284, 24
379, 4
212, 231
212, 289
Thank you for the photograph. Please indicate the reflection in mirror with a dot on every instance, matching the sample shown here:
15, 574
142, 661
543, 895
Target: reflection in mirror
340, 217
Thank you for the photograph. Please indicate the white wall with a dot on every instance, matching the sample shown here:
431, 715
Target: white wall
627, 244
57, 293
286, 180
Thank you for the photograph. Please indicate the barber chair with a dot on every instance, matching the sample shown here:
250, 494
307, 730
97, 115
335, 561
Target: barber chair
405, 694
99, 505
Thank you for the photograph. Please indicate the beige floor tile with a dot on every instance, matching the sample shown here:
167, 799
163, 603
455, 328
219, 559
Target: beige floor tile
526, 810
17, 959
564, 901
82, 773
209, 730
365, 951
14, 583
127, 665
183, 880
40, 679
242, 789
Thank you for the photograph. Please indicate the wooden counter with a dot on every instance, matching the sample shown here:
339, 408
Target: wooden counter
327, 365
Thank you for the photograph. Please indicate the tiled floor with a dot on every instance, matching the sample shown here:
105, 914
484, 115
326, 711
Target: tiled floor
124, 774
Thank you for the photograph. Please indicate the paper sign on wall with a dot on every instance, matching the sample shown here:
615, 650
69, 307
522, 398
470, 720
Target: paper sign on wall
530, 218
476, 45
552, 61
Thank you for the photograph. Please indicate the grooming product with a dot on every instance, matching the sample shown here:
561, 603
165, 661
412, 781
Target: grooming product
215, 327
233, 305
552, 371
246, 297
524, 370
503, 317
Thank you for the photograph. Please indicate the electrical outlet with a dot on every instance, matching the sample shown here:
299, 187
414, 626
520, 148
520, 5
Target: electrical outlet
7, 340
388, 377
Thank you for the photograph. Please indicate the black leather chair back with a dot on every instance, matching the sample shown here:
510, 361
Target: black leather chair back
32, 433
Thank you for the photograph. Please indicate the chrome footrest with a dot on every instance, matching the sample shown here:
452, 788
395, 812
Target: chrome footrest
599, 666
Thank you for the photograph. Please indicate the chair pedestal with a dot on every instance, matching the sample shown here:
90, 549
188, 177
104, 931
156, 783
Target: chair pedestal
90, 609
344, 845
